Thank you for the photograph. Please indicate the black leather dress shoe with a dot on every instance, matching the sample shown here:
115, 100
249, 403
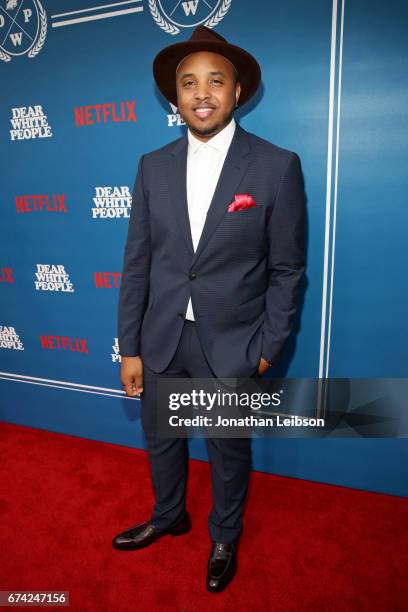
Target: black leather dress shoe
222, 566
144, 534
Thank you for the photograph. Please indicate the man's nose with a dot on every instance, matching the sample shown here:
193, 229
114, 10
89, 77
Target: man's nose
201, 93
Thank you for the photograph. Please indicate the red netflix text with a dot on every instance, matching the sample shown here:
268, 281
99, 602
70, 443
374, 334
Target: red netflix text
104, 113
107, 280
6, 275
41, 203
64, 343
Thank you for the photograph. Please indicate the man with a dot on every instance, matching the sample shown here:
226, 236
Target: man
213, 260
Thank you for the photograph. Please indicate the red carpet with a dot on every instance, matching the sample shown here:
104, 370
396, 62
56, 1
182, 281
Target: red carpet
316, 547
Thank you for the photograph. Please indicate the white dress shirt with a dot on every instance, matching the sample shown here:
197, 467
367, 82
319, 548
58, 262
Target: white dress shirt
204, 164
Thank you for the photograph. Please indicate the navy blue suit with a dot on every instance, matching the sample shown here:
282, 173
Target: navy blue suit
243, 280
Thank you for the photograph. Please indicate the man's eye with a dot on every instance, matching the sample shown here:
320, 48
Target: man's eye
188, 83
217, 81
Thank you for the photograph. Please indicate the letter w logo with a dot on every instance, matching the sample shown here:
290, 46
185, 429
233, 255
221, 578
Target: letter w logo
16, 38
190, 7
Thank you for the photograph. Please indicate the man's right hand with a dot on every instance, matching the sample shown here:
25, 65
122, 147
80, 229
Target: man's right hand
131, 375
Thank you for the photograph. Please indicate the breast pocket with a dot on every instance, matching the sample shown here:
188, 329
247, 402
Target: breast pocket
242, 228
247, 217
245, 212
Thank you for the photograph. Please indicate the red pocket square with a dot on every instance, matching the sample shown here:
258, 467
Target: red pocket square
242, 201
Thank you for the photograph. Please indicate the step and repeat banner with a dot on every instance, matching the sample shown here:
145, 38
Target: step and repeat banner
79, 107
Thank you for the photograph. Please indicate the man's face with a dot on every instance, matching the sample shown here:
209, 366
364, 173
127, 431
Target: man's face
207, 93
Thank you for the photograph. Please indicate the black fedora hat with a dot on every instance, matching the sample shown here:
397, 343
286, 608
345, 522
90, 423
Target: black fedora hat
205, 39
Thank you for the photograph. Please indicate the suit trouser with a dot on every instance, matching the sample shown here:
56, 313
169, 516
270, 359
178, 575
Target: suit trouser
230, 458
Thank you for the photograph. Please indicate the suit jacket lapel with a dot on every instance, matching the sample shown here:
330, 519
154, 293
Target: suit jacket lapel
232, 173
177, 175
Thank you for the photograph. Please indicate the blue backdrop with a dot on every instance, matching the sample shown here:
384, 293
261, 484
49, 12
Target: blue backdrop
78, 108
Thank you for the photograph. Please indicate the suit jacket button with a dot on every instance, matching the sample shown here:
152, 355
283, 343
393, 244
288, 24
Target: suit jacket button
192, 275
180, 315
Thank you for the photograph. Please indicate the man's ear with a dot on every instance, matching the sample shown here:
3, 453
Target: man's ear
237, 92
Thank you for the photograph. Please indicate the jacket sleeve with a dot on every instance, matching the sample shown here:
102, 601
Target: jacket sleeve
134, 289
286, 259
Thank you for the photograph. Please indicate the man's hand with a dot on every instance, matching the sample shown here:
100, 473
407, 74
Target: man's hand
131, 375
263, 366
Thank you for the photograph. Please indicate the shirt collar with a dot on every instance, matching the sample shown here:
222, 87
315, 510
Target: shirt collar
219, 142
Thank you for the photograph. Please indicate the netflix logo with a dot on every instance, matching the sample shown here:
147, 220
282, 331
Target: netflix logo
64, 343
6, 275
105, 113
41, 203
107, 280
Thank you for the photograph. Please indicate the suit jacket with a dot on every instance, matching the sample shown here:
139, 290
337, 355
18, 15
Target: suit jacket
244, 276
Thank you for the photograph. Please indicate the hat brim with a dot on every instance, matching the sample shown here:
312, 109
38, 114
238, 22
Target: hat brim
167, 60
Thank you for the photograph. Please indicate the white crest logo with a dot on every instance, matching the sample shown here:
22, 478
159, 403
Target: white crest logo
171, 15
23, 28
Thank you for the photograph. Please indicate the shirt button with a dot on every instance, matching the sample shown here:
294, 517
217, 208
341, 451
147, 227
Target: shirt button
192, 275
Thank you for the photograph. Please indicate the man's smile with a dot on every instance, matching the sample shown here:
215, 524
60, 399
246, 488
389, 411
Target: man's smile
204, 112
